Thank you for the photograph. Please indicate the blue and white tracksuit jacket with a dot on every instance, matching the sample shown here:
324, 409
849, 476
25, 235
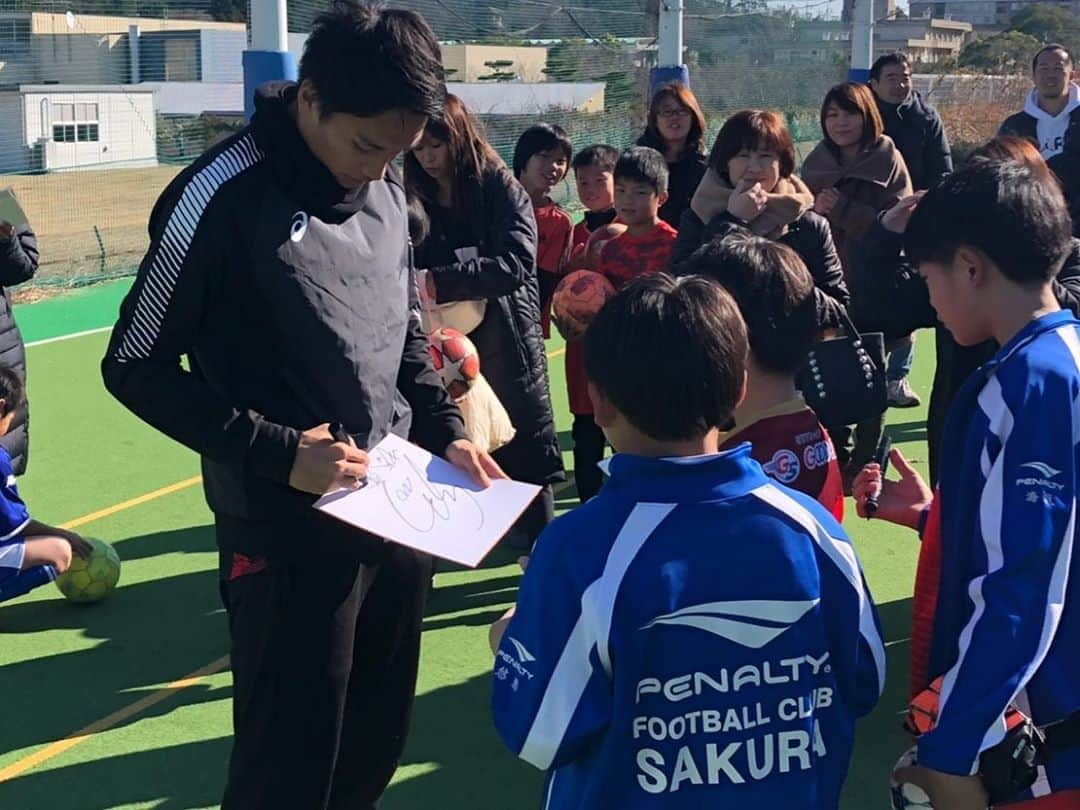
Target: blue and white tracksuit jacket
695, 636
1007, 622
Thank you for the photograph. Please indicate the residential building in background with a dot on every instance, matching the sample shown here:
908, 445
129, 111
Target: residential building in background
983, 13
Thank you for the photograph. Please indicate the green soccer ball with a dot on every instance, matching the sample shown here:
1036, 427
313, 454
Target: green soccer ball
92, 579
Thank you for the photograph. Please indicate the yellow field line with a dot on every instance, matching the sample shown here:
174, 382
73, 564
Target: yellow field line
117, 717
187, 483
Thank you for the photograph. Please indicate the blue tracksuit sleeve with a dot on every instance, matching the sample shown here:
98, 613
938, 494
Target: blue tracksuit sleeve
13, 513
1020, 553
551, 695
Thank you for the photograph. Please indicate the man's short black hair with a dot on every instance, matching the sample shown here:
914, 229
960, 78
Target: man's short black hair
774, 291
12, 389
363, 60
670, 354
1053, 46
898, 58
600, 155
641, 164
1001, 208
540, 138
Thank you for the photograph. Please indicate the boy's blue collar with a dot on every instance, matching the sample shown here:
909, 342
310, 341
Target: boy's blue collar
691, 478
1039, 326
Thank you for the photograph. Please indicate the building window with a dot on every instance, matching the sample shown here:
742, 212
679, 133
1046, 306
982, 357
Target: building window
75, 123
15, 37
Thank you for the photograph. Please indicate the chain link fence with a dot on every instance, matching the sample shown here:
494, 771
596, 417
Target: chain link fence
103, 102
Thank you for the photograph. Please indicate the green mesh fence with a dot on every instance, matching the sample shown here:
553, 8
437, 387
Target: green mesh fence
96, 117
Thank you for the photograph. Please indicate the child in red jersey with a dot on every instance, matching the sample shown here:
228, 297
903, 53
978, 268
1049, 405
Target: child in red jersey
641, 180
541, 161
775, 293
594, 171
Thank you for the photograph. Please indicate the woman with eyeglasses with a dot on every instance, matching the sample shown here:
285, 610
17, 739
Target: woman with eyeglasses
676, 129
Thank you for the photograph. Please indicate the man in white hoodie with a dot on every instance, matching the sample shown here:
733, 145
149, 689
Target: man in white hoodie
1051, 120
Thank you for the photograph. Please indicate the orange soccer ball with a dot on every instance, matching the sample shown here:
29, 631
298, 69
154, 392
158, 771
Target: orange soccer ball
577, 299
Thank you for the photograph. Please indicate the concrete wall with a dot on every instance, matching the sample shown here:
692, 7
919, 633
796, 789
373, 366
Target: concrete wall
221, 55
492, 98
47, 23
14, 155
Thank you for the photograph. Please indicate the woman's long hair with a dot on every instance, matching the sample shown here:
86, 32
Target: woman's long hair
471, 155
681, 95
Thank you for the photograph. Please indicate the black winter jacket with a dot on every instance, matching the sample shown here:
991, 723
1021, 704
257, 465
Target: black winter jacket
509, 341
684, 177
1066, 164
809, 236
918, 133
18, 263
295, 303
889, 291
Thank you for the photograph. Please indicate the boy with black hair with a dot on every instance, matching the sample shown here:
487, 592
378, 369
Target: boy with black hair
31, 553
594, 171
996, 613
541, 161
775, 294
641, 187
671, 645
279, 264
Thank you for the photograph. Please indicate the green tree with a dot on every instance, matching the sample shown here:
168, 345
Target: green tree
1048, 24
565, 60
499, 72
1007, 52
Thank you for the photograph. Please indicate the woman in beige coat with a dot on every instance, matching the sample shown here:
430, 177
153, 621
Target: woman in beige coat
855, 173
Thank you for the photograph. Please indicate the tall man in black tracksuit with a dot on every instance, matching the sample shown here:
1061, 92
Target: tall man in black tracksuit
918, 133
280, 266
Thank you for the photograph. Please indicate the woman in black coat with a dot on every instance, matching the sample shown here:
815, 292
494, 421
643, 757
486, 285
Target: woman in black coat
676, 129
751, 184
18, 263
890, 292
481, 246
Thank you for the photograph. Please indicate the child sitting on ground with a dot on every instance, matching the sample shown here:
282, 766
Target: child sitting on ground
31, 553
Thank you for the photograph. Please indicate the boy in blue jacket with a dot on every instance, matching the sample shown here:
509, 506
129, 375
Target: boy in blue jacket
696, 635
996, 607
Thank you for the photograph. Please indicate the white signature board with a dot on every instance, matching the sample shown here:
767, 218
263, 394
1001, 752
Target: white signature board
415, 499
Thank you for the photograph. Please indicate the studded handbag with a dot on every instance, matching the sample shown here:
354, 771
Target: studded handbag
844, 377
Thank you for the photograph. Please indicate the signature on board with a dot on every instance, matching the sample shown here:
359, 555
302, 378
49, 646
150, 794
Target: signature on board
419, 503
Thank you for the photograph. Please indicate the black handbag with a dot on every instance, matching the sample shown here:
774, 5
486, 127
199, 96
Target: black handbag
844, 377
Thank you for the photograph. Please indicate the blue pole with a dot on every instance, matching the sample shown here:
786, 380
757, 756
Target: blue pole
268, 59
669, 48
862, 40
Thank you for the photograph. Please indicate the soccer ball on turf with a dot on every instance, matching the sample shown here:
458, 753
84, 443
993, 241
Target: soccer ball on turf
906, 796
577, 299
92, 579
454, 357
